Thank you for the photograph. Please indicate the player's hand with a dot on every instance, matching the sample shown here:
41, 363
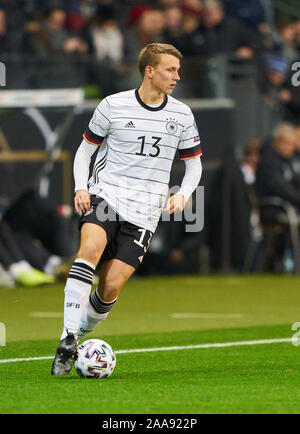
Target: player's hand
175, 203
82, 201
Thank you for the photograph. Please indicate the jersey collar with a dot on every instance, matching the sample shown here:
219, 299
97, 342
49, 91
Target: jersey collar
148, 107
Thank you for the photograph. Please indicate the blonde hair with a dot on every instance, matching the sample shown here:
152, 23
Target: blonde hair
149, 55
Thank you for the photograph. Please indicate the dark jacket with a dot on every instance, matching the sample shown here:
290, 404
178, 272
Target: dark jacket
276, 177
227, 37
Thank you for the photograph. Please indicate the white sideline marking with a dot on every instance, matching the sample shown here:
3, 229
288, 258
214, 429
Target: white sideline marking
46, 314
177, 348
207, 315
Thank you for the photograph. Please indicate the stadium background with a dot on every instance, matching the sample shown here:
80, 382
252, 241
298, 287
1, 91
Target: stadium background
230, 97
227, 92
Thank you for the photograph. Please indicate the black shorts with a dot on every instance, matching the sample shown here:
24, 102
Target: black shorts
125, 241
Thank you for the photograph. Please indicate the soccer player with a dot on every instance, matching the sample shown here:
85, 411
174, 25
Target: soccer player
134, 136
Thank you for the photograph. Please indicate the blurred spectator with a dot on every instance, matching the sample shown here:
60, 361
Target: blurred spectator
297, 37
10, 33
249, 166
40, 221
103, 35
276, 175
146, 26
165, 4
16, 268
192, 10
173, 31
5, 42
250, 161
296, 157
277, 179
278, 90
75, 20
288, 35
52, 37
79, 12
219, 34
182, 23
251, 13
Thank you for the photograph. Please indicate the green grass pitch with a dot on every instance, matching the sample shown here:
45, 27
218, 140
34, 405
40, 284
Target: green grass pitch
162, 312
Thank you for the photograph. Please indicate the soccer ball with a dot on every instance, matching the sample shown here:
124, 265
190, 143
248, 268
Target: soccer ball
95, 359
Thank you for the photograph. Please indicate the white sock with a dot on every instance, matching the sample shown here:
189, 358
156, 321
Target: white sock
93, 314
77, 291
90, 319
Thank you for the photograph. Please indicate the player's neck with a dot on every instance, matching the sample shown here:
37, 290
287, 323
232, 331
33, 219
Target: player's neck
150, 96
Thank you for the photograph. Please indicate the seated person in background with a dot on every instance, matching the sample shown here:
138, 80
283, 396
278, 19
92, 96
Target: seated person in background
276, 175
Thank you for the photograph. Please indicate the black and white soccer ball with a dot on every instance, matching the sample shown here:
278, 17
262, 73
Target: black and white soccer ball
95, 359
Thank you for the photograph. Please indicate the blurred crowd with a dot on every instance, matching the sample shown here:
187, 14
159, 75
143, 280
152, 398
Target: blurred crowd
117, 30
114, 31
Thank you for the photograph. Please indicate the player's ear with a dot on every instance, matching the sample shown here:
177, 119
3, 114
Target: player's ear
149, 71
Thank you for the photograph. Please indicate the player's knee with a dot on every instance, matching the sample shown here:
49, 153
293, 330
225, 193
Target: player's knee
89, 253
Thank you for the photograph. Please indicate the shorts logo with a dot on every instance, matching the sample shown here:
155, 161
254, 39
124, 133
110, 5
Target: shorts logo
141, 259
171, 126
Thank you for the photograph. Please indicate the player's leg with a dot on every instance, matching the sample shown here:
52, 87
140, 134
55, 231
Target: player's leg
132, 243
77, 290
114, 274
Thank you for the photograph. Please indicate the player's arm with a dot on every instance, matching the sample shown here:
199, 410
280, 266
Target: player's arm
189, 151
191, 179
93, 136
81, 170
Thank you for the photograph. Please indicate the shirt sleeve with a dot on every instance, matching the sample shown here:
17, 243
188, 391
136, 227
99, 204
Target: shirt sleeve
192, 176
99, 125
189, 146
81, 166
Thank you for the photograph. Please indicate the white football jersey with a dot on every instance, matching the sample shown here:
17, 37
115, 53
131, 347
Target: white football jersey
137, 148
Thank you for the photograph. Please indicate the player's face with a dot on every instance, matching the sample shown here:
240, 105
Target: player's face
165, 74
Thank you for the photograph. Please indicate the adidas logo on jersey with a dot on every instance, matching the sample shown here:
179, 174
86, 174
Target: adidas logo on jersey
130, 125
